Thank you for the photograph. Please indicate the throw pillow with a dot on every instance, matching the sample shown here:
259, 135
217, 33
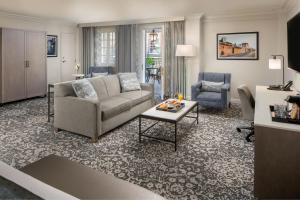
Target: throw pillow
208, 86
84, 89
99, 74
129, 82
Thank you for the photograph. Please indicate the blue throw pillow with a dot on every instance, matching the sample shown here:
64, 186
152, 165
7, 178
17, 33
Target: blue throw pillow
208, 86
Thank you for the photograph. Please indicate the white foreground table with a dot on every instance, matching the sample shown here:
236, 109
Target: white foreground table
169, 117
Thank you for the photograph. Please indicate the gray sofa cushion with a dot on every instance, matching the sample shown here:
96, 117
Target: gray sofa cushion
129, 82
112, 85
137, 97
208, 86
99, 86
209, 96
113, 106
84, 89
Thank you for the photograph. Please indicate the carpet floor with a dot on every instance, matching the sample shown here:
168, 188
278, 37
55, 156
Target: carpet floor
212, 160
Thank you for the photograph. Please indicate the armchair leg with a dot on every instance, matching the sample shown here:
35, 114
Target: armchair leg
94, 139
249, 135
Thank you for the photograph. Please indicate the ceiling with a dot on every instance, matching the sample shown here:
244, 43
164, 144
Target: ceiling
86, 11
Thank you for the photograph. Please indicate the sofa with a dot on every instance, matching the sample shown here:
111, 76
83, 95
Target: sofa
92, 117
220, 99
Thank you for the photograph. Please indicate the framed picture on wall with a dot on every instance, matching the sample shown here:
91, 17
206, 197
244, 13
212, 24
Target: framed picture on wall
238, 46
51, 45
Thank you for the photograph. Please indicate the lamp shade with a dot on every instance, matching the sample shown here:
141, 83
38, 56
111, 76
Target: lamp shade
185, 50
274, 63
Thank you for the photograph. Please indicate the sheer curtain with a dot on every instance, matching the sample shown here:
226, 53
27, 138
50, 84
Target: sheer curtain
87, 48
174, 66
105, 46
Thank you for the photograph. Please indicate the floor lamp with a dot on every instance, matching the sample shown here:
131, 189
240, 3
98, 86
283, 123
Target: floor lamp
185, 51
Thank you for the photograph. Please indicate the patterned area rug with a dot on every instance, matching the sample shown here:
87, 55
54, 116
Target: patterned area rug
212, 160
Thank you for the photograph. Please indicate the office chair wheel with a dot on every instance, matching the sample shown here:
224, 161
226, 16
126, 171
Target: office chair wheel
238, 130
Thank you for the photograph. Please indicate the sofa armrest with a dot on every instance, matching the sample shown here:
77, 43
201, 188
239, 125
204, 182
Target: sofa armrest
148, 87
195, 90
225, 94
64, 89
77, 115
226, 86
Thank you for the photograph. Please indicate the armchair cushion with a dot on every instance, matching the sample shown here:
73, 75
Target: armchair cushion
209, 86
94, 74
209, 96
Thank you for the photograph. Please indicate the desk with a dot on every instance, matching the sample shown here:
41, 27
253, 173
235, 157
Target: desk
277, 149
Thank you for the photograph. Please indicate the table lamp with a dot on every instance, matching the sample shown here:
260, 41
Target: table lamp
277, 63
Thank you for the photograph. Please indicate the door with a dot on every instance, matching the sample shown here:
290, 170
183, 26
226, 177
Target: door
13, 65
36, 64
68, 61
152, 57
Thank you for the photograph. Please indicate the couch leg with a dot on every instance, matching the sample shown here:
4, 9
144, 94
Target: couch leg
56, 130
94, 139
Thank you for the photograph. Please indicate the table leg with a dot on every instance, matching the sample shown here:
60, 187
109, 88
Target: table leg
197, 113
140, 131
175, 136
49, 103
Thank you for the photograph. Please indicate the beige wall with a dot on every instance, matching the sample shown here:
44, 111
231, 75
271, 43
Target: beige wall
250, 72
192, 36
50, 27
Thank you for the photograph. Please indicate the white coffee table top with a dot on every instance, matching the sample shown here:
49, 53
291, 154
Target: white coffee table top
153, 113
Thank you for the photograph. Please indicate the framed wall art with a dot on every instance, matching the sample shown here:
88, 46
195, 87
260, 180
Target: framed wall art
51, 45
238, 46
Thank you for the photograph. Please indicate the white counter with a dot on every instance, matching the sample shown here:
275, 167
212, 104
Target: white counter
263, 99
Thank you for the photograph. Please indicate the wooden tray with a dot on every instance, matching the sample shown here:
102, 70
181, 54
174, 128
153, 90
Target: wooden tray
287, 119
173, 110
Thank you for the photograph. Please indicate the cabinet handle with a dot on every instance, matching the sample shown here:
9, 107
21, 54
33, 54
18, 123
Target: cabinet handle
26, 63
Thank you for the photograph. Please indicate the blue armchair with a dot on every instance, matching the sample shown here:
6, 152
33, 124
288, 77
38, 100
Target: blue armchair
212, 99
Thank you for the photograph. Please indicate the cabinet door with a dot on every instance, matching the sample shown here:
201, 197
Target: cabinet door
36, 64
13, 65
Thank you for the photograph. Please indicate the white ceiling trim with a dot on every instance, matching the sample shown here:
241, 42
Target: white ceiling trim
141, 21
39, 20
246, 16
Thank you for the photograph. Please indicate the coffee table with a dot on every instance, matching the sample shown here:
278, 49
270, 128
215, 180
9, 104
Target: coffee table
164, 116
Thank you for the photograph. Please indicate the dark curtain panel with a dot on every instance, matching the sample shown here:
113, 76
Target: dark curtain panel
87, 48
174, 66
124, 48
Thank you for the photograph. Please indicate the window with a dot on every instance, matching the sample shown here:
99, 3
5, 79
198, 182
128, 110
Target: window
105, 46
153, 47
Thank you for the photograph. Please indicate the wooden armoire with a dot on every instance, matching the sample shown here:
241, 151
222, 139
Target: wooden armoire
23, 64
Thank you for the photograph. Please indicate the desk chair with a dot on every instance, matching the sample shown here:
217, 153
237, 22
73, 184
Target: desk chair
248, 104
